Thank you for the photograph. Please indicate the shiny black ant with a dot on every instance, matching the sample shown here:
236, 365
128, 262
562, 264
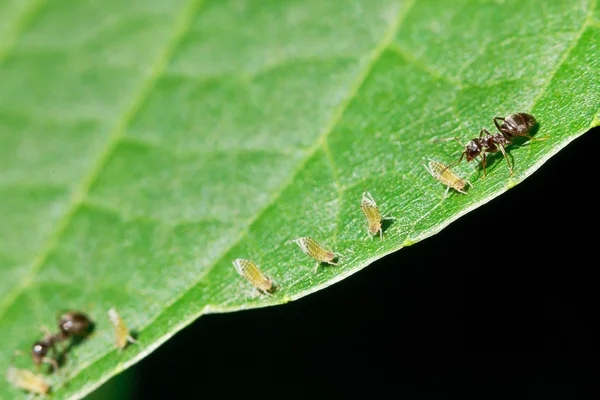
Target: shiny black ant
515, 125
71, 324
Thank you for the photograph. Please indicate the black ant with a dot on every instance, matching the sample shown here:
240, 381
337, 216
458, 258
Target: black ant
70, 324
515, 125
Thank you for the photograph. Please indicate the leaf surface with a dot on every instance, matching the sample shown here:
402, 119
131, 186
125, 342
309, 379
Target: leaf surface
144, 145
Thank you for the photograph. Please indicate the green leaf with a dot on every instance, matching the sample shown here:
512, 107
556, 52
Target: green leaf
144, 145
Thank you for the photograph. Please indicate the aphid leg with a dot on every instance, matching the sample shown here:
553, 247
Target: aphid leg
380, 233
131, 339
426, 168
261, 292
501, 146
317, 267
446, 192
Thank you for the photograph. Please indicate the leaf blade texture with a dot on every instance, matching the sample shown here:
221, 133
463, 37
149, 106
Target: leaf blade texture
145, 145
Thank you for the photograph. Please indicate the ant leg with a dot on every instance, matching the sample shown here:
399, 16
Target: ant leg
483, 163
501, 146
496, 119
52, 362
482, 131
449, 139
452, 164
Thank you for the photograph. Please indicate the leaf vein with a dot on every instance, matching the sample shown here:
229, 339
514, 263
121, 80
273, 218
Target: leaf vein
23, 20
182, 25
337, 114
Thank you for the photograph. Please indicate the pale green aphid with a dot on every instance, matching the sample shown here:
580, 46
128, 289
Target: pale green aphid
444, 174
316, 251
122, 336
371, 211
254, 275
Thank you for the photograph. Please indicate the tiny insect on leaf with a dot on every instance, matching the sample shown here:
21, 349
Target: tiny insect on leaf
371, 211
27, 380
445, 175
313, 249
122, 335
254, 275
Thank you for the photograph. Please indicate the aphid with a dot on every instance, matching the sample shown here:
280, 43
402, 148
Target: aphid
518, 124
444, 174
371, 211
27, 380
254, 275
314, 250
122, 335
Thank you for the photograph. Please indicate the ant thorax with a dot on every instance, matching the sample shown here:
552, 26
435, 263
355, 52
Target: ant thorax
499, 139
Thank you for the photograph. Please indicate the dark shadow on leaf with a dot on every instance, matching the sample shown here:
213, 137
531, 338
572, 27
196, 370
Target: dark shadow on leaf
386, 223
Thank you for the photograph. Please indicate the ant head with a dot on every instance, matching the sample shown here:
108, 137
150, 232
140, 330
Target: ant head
39, 351
472, 149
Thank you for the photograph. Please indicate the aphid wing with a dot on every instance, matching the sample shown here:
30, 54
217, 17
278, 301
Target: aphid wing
303, 244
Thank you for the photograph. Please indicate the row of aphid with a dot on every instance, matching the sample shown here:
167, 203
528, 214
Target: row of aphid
72, 325
75, 323
515, 125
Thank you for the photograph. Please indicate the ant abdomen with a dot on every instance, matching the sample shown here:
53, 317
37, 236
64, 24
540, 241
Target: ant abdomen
74, 323
517, 124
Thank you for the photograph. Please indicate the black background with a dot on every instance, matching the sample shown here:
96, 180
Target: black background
513, 313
